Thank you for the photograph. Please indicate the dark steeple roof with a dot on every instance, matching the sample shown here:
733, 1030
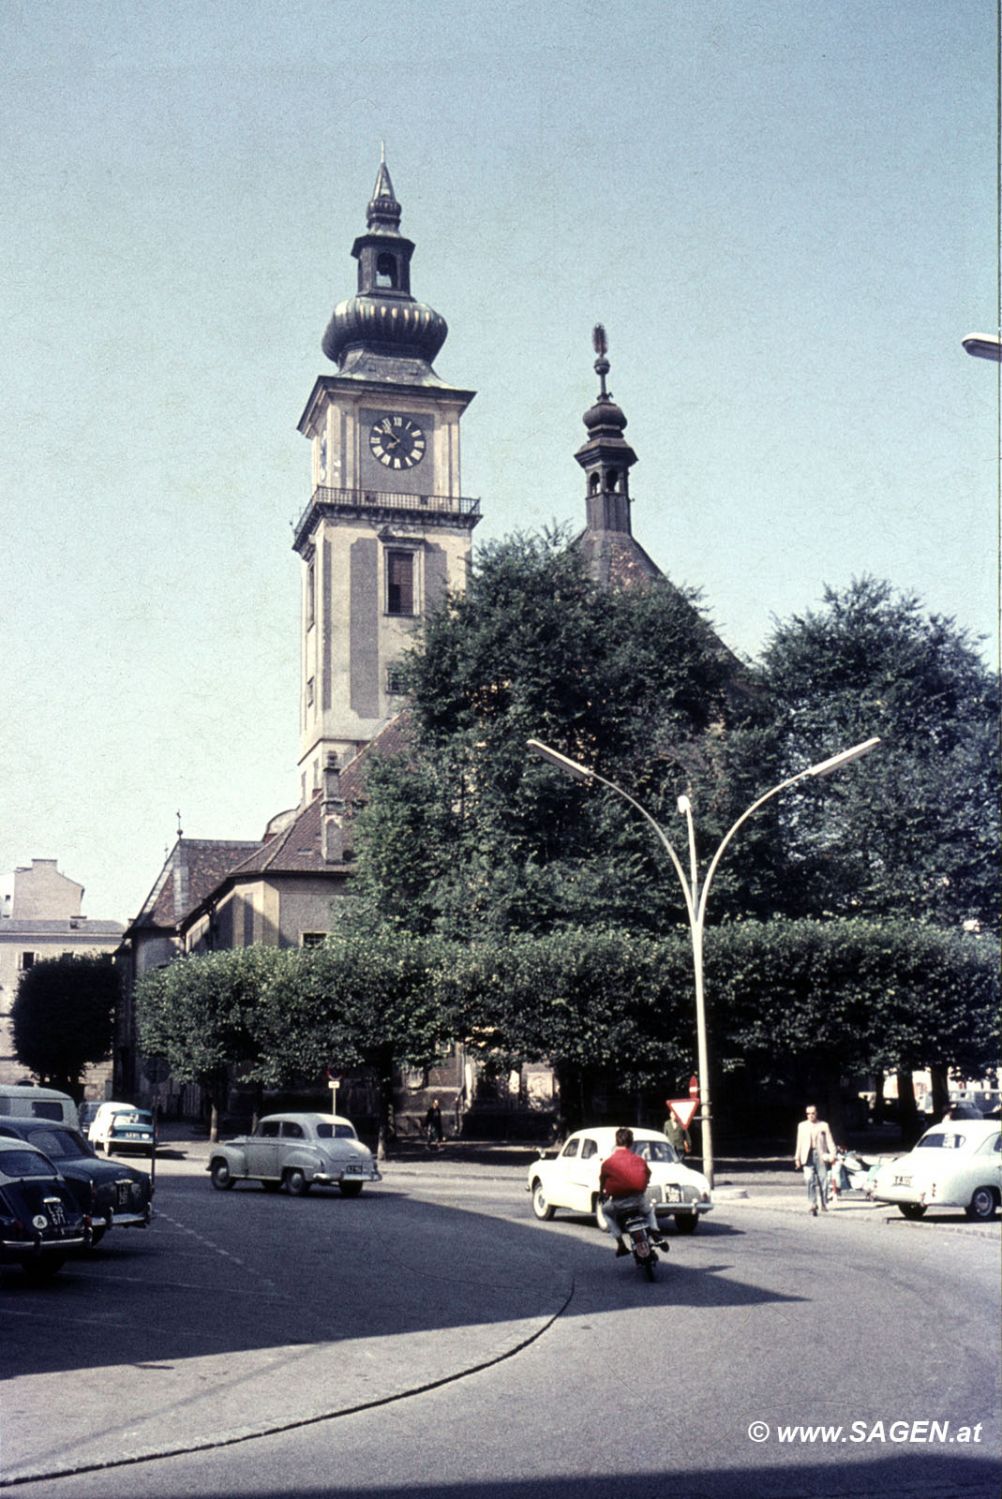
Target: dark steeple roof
383, 333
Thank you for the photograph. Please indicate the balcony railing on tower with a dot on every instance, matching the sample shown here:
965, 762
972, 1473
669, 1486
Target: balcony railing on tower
460, 507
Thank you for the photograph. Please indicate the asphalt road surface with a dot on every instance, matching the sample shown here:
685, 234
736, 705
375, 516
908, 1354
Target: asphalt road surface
431, 1339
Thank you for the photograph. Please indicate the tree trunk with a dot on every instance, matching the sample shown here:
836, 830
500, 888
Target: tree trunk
385, 1114
907, 1112
940, 1092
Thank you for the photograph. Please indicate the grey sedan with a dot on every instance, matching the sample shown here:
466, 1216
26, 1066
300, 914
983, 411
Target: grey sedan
296, 1151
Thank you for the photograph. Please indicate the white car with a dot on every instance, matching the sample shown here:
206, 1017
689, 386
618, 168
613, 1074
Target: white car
121, 1127
570, 1179
296, 1151
956, 1164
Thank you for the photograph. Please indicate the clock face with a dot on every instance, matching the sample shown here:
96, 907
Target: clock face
397, 441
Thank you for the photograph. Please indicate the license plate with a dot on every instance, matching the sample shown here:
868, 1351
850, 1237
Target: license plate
56, 1212
673, 1194
123, 1194
353, 1170
131, 1134
902, 1181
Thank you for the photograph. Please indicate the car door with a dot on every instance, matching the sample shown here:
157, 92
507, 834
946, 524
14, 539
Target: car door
583, 1174
263, 1150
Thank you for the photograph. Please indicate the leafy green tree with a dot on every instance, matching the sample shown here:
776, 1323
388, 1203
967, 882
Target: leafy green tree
913, 830
63, 1017
199, 1014
356, 1003
466, 834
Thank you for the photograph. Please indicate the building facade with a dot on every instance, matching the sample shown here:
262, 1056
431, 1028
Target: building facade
43, 920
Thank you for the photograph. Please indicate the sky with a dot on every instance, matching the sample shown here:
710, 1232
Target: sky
785, 214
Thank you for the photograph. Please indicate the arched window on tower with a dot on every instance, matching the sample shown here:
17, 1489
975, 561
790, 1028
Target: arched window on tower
386, 271
595, 483
611, 480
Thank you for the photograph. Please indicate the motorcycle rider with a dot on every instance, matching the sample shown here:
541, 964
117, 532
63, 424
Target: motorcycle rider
623, 1178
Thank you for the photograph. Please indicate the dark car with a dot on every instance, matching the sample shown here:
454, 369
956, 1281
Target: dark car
40, 1219
111, 1195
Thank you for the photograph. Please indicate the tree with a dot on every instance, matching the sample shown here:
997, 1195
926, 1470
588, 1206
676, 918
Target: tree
356, 1003
465, 834
913, 831
63, 1017
200, 1014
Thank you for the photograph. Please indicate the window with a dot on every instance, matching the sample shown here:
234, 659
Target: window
26, 960
386, 271
395, 680
292, 1131
571, 1148
399, 582
269, 1129
310, 691
588, 1149
311, 588
314, 939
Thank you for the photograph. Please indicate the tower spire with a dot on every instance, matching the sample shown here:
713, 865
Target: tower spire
606, 456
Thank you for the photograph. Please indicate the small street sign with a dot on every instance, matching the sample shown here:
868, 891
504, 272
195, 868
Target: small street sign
694, 1086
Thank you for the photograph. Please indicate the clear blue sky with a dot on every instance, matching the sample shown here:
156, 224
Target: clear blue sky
784, 214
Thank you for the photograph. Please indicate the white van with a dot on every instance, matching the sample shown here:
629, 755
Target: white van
27, 1102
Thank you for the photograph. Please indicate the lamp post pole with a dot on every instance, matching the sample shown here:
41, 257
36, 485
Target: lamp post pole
696, 893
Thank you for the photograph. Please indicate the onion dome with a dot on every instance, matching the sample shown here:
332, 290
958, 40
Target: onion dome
383, 330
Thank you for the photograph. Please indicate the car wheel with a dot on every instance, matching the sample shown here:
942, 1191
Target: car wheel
271, 1186
351, 1189
982, 1205
38, 1272
295, 1183
911, 1210
601, 1217
540, 1206
221, 1176
686, 1223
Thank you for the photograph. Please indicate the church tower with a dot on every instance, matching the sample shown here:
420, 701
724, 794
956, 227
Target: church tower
611, 553
387, 531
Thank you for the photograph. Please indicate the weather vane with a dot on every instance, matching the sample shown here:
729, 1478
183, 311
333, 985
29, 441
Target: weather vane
601, 346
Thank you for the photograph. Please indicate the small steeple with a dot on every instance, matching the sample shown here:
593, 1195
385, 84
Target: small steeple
606, 456
383, 332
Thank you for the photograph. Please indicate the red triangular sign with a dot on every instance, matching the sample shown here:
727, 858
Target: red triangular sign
684, 1108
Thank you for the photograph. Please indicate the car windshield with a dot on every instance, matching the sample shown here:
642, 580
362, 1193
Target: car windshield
25, 1163
61, 1144
655, 1150
336, 1132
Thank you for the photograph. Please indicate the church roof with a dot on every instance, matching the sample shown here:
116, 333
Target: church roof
193, 868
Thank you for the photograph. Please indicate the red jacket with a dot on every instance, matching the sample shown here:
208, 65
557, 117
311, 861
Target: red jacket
624, 1173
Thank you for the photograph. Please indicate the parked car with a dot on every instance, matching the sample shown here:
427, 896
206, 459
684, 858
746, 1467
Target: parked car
570, 1179
120, 1127
40, 1219
26, 1101
87, 1113
297, 1151
110, 1194
957, 1163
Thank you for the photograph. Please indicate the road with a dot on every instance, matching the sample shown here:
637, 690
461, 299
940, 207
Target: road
431, 1339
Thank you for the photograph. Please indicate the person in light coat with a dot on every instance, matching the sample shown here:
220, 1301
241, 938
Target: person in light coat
815, 1153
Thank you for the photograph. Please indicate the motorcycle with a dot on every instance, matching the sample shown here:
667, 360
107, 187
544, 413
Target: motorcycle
631, 1221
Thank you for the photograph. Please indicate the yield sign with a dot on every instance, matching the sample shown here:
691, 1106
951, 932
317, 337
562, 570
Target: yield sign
684, 1108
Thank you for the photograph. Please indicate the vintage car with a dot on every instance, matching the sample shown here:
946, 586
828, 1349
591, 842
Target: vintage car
121, 1127
570, 1179
297, 1152
110, 1194
957, 1163
40, 1220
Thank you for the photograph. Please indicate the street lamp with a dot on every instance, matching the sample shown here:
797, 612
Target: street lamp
984, 346
696, 894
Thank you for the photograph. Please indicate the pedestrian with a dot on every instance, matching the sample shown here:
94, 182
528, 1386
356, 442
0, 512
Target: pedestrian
433, 1122
815, 1153
676, 1133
